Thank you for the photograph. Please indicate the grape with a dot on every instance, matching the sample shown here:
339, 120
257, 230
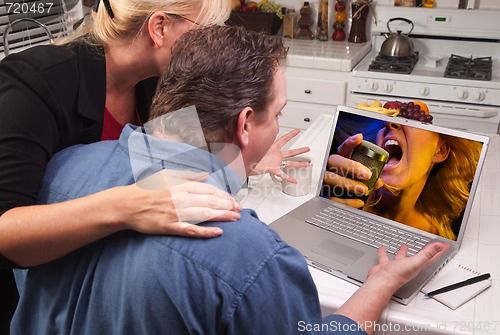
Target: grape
272, 7
411, 111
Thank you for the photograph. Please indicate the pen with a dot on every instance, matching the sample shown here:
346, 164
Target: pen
459, 284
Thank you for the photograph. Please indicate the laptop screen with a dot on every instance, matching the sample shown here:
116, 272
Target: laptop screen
426, 175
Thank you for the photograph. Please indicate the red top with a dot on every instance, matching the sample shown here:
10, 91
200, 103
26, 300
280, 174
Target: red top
111, 129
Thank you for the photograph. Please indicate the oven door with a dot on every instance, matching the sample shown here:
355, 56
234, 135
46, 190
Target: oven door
469, 117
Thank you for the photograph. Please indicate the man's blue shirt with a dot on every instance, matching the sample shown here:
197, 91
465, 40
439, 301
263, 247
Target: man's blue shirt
248, 281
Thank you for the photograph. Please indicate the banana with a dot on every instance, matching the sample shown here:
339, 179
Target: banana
374, 107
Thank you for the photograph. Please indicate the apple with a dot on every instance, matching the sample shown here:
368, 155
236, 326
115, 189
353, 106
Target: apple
338, 35
393, 104
340, 6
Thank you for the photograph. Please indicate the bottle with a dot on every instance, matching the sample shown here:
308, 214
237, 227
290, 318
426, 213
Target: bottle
289, 23
409, 3
360, 12
305, 22
323, 20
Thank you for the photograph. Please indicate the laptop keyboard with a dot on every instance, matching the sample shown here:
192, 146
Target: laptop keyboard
367, 231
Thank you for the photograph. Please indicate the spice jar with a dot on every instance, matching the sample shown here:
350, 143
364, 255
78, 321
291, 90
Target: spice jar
323, 21
289, 23
409, 3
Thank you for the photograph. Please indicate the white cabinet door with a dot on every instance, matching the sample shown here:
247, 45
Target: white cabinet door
317, 91
316, 86
301, 115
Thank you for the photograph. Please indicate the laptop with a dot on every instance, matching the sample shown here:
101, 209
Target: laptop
424, 162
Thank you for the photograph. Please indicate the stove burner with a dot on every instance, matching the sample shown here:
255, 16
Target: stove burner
390, 64
469, 68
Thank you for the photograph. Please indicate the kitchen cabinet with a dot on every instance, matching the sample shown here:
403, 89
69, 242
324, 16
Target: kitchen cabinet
310, 93
317, 74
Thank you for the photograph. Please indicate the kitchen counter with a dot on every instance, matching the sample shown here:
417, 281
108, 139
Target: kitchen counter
327, 55
480, 249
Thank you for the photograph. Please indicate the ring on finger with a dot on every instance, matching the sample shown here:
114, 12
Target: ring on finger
283, 164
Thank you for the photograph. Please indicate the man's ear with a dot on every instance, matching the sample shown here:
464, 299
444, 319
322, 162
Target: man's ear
442, 151
156, 28
244, 126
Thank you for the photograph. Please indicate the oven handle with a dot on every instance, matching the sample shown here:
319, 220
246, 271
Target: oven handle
478, 113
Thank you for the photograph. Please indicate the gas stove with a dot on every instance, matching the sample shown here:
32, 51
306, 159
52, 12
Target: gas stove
458, 77
469, 68
403, 65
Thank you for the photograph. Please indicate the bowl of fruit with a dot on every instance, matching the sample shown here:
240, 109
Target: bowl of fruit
415, 110
264, 16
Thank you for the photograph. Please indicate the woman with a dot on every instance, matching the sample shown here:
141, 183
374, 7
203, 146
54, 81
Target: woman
85, 90
427, 178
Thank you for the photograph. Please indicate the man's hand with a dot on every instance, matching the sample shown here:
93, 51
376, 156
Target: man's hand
367, 304
271, 162
402, 269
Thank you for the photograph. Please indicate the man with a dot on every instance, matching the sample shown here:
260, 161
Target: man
248, 281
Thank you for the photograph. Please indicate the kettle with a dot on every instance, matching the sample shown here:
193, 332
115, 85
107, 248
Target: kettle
398, 45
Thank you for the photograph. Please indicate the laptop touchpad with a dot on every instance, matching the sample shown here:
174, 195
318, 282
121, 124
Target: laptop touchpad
338, 252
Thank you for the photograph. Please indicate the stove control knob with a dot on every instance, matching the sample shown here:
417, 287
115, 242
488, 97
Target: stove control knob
479, 96
462, 94
372, 86
424, 91
387, 87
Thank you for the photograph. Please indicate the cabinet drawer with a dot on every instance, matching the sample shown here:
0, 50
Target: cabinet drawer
300, 115
313, 90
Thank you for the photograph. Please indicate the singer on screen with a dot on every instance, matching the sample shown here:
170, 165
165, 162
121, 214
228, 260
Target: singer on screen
424, 184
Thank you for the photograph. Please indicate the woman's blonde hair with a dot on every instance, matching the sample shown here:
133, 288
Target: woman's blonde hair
131, 15
445, 194
447, 190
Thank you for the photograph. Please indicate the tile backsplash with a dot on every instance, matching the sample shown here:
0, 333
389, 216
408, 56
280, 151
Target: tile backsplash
296, 4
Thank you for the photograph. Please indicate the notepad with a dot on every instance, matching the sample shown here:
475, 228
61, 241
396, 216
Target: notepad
456, 298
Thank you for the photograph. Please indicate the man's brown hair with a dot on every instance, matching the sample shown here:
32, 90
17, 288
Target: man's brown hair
220, 70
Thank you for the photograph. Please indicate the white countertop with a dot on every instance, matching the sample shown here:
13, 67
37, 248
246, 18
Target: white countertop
325, 55
480, 249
